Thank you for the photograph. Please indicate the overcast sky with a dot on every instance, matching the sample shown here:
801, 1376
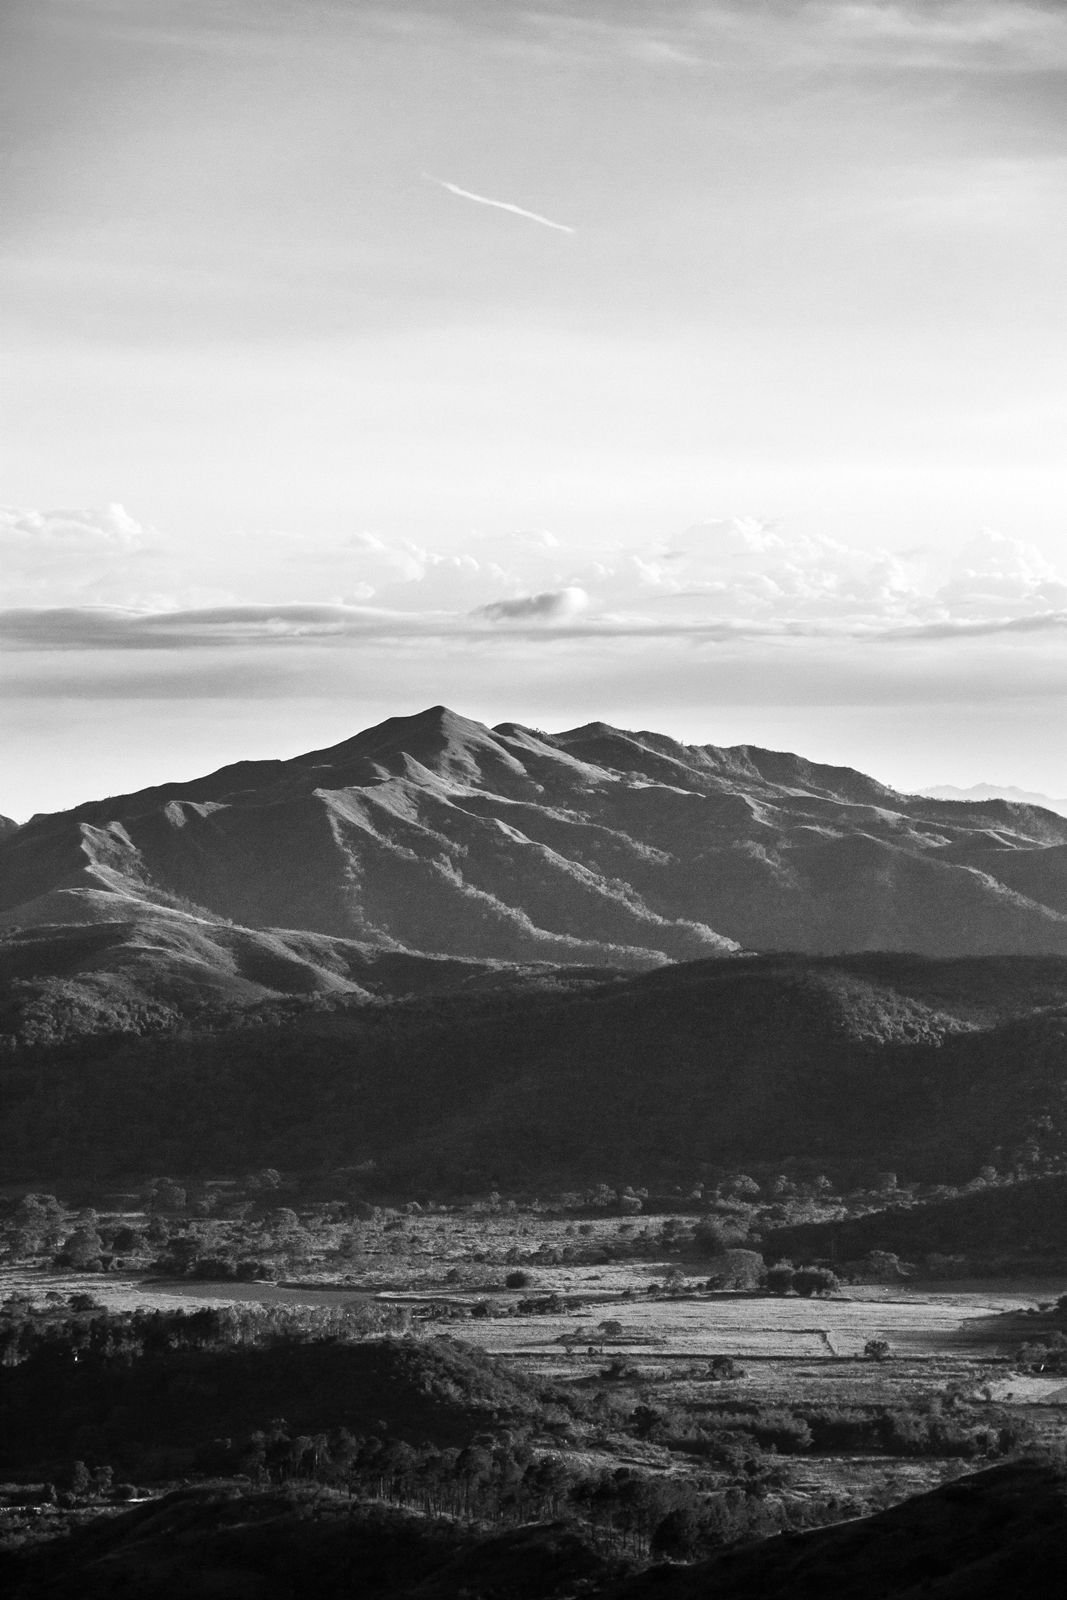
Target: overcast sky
696, 365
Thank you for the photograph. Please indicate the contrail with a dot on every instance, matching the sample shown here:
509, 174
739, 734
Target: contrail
500, 205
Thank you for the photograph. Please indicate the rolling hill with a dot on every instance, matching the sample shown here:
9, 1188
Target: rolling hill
851, 1064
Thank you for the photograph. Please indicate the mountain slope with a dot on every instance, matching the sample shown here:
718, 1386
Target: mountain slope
158, 966
436, 834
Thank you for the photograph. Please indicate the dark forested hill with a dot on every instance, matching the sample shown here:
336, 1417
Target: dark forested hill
861, 1062
991, 1536
994, 1535
439, 835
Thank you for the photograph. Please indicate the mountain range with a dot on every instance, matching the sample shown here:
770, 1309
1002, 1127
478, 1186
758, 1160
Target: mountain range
998, 791
437, 837
417, 947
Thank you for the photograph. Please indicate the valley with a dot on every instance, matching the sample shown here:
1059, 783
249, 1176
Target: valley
575, 1161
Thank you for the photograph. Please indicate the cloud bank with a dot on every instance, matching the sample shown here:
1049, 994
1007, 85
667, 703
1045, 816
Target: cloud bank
98, 580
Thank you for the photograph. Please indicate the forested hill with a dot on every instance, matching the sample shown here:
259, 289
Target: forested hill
854, 1063
437, 835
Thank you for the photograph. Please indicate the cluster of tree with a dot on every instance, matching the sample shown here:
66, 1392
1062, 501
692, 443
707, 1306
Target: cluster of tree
784, 1278
78, 1330
506, 1481
1047, 1354
733, 1436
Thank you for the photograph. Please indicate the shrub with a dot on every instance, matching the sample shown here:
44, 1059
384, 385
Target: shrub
737, 1269
814, 1280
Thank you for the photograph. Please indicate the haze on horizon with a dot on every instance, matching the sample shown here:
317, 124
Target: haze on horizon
713, 383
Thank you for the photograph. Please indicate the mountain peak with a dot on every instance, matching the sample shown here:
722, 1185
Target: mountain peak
432, 832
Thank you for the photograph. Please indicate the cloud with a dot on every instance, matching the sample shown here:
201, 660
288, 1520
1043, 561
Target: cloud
111, 628
500, 205
717, 580
969, 36
71, 554
985, 627
981, 34
553, 605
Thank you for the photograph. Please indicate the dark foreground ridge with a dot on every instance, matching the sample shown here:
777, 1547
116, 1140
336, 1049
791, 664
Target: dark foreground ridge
434, 834
994, 1535
991, 1536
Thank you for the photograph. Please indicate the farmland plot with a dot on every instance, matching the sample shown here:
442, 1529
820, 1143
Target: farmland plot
767, 1328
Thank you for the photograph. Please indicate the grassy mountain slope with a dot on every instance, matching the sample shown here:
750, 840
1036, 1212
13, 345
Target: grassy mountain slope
159, 966
438, 835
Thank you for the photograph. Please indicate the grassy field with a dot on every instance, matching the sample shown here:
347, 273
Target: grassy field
930, 1323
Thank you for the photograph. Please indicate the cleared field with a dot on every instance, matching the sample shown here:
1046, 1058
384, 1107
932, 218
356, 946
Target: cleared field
929, 1323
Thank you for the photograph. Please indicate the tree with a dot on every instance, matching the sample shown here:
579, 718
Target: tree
38, 1222
83, 1248
677, 1535
814, 1280
709, 1237
265, 1178
737, 1269
165, 1195
876, 1349
739, 1186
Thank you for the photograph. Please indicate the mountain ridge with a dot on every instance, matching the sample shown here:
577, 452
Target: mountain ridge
437, 835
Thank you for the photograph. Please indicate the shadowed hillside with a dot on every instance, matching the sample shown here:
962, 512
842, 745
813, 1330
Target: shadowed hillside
856, 1063
274, 1545
1029, 1216
995, 1534
438, 835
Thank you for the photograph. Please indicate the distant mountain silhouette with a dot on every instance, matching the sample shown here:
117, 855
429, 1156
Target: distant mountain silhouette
435, 834
995, 791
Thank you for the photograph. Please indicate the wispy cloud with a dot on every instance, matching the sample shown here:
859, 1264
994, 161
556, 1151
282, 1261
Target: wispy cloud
499, 205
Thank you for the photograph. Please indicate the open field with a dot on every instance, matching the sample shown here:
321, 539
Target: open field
931, 1323
622, 1350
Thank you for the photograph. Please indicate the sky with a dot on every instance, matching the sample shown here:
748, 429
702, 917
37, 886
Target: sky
696, 366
